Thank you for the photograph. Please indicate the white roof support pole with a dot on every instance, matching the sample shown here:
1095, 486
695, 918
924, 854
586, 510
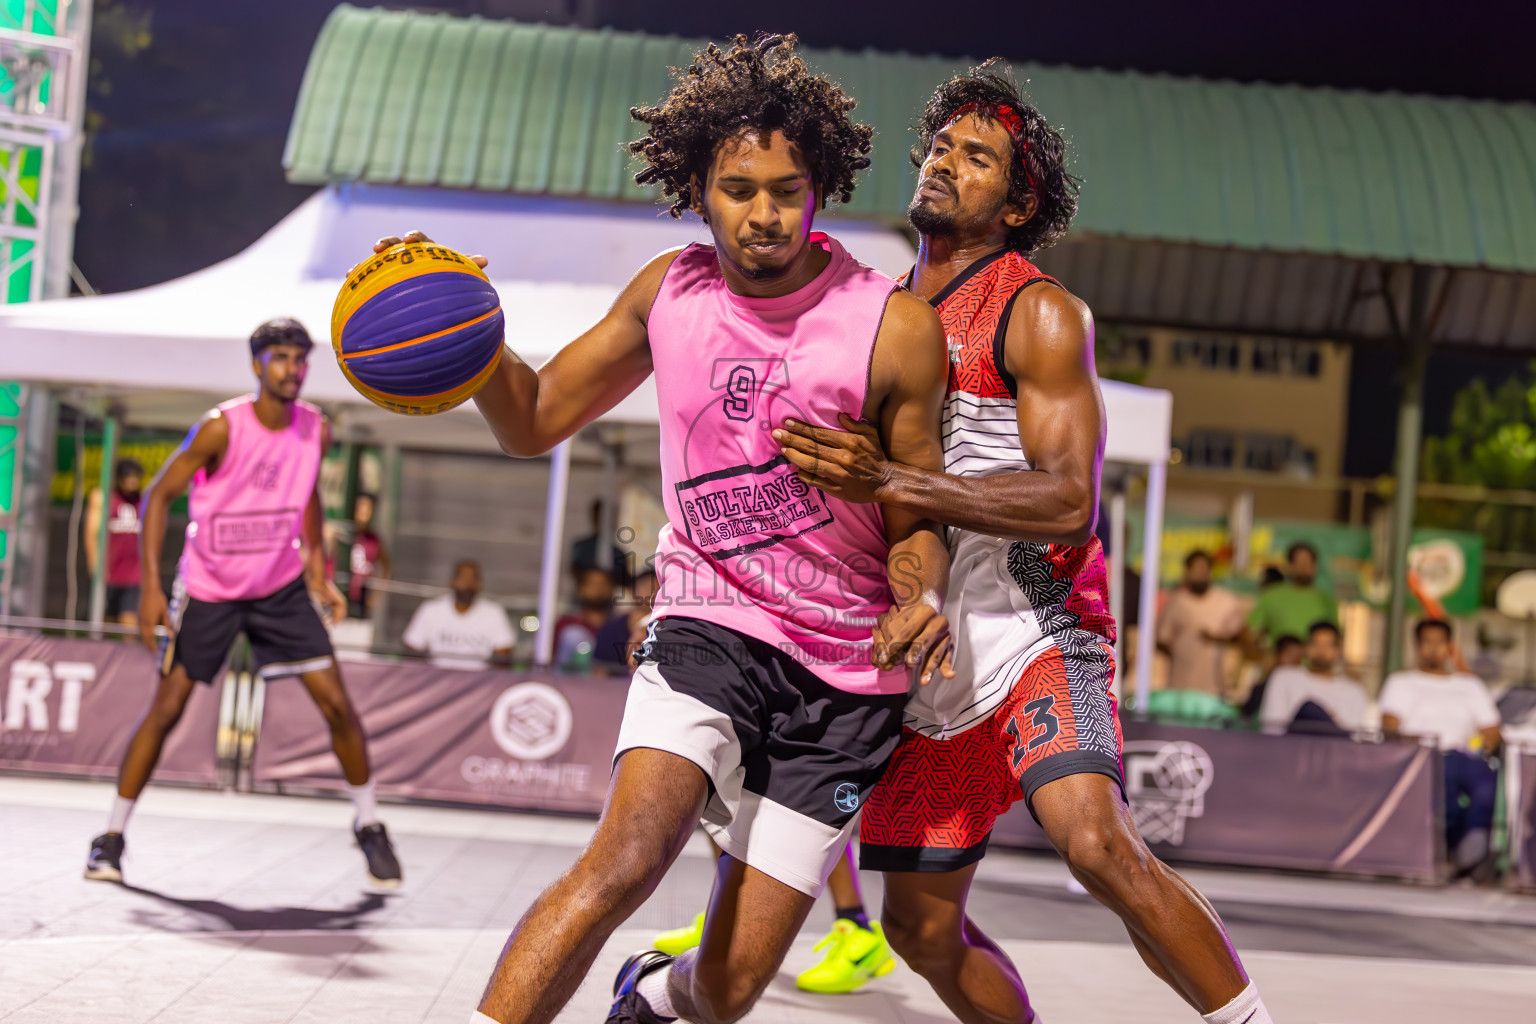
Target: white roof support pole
1118, 557
1151, 560
554, 543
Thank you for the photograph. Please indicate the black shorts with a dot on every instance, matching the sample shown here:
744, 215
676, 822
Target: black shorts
286, 634
790, 758
122, 599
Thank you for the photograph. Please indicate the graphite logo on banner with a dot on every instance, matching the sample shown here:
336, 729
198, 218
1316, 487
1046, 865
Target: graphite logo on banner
42, 698
530, 722
1166, 783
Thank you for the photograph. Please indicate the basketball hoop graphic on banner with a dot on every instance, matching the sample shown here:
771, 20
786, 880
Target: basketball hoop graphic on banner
1166, 785
531, 721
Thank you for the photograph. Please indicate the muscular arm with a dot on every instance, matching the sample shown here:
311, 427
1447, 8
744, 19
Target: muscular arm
530, 411
1049, 351
909, 361
202, 449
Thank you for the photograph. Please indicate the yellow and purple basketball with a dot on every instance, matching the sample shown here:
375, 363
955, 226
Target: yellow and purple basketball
417, 329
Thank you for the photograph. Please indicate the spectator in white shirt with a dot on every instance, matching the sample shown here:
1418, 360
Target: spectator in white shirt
1456, 712
461, 630
1313, 697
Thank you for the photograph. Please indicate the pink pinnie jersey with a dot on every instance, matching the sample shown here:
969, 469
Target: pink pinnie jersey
247, 517
748, 545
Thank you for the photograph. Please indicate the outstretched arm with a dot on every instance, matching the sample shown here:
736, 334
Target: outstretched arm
1049, 352
530, 411
909, 363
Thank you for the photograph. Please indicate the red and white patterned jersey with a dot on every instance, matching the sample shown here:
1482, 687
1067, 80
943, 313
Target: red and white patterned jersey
1008, 601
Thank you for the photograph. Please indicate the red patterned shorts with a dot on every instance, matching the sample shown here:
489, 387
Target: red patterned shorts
935, 806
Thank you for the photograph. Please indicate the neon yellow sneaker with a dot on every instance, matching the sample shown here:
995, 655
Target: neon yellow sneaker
854, 955
680, 940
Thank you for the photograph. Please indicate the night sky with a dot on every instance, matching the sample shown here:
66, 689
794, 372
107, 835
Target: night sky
185, 167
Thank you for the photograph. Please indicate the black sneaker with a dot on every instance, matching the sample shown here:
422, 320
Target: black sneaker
629, 1006
383, 866
105, 864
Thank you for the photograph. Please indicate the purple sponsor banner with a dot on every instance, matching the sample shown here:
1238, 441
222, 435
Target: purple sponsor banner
1525, 854
531, 741
1312, 803
70, 706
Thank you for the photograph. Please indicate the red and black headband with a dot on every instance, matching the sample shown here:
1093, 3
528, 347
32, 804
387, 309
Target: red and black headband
1012, 122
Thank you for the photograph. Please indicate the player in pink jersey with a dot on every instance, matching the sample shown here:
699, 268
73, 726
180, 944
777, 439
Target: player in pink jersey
1028, 714
762, 703
253, 562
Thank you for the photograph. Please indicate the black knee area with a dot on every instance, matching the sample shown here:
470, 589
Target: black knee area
929, 947
1109, 861
336, 714
618, 877
723, 996
163, 715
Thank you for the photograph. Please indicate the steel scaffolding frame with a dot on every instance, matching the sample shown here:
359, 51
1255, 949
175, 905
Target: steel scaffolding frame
44, 63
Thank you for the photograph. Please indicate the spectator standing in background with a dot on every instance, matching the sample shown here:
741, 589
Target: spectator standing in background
1456, 712
1314, 697
576, 634
584, 551
1195, 627
1291, 608
366, 560
122, 512
461, 629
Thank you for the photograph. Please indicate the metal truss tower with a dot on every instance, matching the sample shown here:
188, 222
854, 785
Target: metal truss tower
44, 62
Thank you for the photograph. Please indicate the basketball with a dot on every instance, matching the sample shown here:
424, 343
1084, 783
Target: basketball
417, 328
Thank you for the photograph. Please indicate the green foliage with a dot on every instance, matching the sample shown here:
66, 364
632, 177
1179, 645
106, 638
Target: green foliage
1491, 443
1492, 438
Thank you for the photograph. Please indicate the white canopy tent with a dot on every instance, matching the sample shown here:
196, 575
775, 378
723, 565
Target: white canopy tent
168, 352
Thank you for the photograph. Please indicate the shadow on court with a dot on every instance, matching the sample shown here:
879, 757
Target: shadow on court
267, 919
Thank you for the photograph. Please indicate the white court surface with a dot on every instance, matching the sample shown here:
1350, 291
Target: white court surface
249, 910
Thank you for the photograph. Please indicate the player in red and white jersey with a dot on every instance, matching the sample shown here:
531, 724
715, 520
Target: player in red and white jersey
1028, 713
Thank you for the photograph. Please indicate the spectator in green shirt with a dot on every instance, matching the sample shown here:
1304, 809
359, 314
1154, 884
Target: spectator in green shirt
1293, 607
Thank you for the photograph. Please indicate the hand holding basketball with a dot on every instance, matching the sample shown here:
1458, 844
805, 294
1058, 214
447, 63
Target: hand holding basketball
420, 237
417, 328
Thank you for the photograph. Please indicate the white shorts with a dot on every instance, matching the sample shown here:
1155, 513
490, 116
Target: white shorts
789, 758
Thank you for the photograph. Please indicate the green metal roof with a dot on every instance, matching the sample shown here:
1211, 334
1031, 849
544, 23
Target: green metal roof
428, 99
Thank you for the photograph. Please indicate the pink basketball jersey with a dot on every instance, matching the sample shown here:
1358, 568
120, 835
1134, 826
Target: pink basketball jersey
749, 546
247, 516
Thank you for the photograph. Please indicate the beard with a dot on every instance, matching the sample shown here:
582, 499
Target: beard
926, 220
758, 272
465, 597
1199, 588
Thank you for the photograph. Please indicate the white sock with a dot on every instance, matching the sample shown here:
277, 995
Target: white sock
653, 988
117, 821
1245, 1008
366, 803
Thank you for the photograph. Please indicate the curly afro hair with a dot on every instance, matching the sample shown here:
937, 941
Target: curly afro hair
758, 86
991, 86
